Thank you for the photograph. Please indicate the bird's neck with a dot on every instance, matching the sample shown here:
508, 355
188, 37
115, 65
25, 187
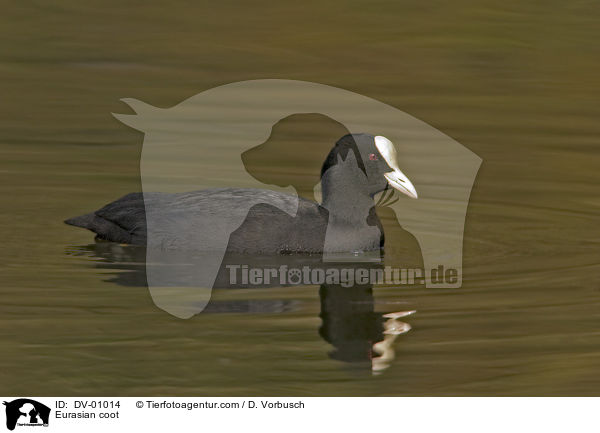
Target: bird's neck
346, 195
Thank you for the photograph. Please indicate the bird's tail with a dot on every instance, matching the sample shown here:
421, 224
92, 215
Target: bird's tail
84, 221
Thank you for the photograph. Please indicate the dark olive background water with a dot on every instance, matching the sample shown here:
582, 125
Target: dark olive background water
517, 83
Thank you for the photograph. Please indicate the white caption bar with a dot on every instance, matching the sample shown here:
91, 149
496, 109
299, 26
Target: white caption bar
290, 414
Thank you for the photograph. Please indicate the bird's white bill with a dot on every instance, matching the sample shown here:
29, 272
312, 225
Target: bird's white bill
399, 181
396, 178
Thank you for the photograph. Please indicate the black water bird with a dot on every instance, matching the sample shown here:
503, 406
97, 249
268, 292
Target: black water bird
357, 168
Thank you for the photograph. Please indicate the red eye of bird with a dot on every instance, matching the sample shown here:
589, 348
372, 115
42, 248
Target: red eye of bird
373, 157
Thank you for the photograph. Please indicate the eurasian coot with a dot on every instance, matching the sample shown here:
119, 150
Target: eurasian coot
358, 167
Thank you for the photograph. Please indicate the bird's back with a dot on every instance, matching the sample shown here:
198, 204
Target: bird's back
250, 220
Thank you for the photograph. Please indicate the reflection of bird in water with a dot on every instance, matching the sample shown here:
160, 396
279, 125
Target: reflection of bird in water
385, 349
360, 336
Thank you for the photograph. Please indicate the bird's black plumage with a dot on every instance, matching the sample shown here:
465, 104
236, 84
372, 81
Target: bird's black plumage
351, 175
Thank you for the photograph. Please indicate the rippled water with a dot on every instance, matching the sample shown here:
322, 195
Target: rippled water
516, 84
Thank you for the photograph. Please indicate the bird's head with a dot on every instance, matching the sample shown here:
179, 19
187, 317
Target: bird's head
376, 157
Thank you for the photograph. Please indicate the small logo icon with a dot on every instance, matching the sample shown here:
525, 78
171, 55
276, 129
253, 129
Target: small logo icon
26, 412
295, 276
